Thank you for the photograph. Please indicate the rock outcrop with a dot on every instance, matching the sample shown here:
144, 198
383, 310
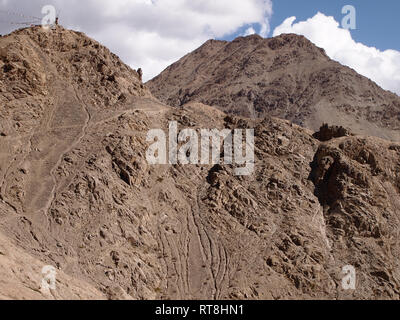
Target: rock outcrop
327, 132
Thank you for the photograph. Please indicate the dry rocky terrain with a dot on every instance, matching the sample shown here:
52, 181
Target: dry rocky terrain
77, 193
287, 77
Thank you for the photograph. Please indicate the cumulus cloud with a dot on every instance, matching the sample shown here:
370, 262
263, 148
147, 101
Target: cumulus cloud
249, 32
383, 67
149, 34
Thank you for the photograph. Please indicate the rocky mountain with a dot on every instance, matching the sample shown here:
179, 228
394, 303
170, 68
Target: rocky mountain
77, 193
287, 77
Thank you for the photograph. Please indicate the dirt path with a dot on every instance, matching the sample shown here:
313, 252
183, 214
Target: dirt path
53, 142
195, 262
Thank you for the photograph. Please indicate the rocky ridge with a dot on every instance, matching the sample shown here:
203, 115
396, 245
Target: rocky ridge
286, 77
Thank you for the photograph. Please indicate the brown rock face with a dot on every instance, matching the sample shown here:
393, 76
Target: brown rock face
351, 177
77, 193
286, 77
327, 133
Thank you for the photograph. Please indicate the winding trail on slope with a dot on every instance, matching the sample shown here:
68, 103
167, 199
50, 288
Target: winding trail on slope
54, 143
71, 147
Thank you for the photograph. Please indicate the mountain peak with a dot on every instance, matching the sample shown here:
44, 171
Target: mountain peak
286, 76
29, 55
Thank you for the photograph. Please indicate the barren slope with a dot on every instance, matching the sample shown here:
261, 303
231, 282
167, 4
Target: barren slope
287, 77
77, 193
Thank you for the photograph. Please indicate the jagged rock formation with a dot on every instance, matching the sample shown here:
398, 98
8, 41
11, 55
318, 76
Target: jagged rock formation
287, 77
77, 193
327, 132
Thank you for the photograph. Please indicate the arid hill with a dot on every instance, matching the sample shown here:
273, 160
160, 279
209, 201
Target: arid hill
77, 193
286, 77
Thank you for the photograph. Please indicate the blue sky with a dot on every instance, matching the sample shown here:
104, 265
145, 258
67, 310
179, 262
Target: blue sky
378, 23
372, 49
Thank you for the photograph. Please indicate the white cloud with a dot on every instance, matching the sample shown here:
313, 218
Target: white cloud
249, 32
383, 67
151, 34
